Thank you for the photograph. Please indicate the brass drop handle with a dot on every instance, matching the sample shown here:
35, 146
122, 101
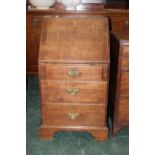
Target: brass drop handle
72, 91
73, 116
73, 73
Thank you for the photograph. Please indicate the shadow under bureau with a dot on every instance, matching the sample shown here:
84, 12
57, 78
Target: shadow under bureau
74, 75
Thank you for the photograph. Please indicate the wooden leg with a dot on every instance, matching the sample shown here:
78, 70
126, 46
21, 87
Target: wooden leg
116, 129
46, 133
100, 134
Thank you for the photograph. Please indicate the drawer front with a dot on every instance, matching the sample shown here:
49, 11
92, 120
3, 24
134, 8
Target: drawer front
125, 51
73, 72
73, 115
125, 63
61, 91
124, 84
122, 110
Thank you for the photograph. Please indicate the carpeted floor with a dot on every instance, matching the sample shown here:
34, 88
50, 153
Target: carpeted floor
66, 143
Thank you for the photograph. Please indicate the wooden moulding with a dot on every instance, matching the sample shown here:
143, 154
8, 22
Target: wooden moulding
99, 133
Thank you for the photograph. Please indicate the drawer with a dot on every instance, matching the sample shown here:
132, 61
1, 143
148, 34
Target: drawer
73, 115
125, 62
124, 84
122, 111
63, 91
125, 51
73, 72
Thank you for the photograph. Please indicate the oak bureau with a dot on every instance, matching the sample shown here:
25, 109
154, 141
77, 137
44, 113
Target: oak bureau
74, 75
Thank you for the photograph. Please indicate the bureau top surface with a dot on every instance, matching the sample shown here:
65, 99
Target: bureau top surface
74, 40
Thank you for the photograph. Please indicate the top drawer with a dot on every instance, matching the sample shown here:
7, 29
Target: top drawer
73, 72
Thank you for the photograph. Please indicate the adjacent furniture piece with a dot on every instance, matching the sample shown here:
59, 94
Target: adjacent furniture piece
119, 81
118, 19
42, 4
74, 75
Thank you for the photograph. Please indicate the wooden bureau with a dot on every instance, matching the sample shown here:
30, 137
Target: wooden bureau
119, 81
74, 75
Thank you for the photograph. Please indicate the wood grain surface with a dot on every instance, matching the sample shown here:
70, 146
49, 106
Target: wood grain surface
74, 40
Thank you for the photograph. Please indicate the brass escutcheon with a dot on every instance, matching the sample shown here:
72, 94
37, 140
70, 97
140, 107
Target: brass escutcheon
73, 73
72, 91
73, 116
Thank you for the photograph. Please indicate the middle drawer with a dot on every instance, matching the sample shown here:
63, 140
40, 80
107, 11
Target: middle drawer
79, 91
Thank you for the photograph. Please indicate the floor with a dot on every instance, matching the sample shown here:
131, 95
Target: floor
66, 143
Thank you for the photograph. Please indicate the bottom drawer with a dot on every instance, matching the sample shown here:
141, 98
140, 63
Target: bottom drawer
73, 115
122, 111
